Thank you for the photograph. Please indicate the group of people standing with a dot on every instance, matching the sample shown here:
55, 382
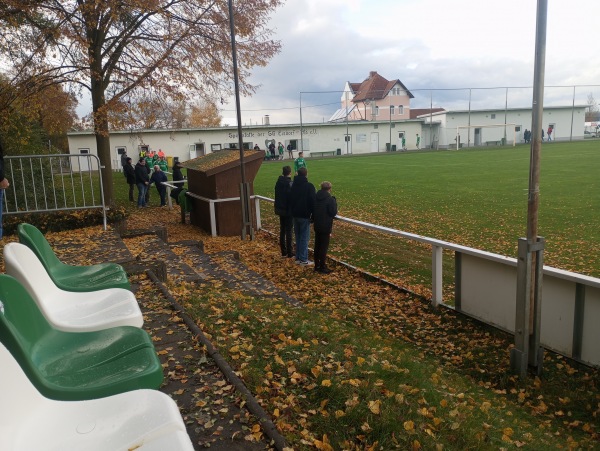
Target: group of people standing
142, 175
298, 204
280, 149
527, 134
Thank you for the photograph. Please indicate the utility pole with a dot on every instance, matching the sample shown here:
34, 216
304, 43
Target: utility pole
527, 351
247, 229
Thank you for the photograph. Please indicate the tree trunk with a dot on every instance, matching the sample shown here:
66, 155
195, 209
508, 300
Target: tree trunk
102, 140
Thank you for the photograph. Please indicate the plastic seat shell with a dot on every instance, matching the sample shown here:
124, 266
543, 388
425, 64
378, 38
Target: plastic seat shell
70, 277
67, 310
145, 420
74, 365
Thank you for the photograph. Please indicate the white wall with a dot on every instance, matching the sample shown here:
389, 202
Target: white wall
316, 138
330, 136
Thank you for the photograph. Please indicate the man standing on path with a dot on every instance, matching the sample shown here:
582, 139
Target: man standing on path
299, 162
325, 211
129, 171
302, 203
142, 180
282, 209
290, 150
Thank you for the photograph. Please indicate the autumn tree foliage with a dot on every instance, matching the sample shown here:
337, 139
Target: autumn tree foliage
120, 50
32, 119
204, 115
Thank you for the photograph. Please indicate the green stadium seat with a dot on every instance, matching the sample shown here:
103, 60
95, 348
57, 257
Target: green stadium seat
73, 366
69, 277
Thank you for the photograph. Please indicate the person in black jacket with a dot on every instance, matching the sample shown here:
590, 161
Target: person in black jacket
302, 204
3, 185
129, 171
142, 180
325, 211
282, 209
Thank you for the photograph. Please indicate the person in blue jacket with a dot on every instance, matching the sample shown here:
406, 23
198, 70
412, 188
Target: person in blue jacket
158, 177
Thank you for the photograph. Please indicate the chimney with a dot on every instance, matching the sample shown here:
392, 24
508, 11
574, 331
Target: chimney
372, 73
266, 120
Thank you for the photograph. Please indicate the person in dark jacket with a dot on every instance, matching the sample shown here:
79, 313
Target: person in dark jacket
178, 180
3, 185
158, 177
302, 204
129, 171
324, 212
282, 209
142, 180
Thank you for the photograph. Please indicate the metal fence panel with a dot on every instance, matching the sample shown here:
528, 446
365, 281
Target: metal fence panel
56, 182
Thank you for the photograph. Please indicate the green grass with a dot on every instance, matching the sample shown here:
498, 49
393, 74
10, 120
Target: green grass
441, 381
476, 198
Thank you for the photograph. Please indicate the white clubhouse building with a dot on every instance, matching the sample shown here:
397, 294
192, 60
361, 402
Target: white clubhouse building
375, 116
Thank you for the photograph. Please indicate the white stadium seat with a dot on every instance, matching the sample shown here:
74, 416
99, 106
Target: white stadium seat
66, 310
144, 420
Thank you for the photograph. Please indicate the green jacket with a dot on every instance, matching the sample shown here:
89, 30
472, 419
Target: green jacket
299, 163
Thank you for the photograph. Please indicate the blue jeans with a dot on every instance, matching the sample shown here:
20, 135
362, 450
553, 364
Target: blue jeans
142, 188
302, 232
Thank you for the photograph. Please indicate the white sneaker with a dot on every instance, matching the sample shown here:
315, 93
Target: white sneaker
305, 263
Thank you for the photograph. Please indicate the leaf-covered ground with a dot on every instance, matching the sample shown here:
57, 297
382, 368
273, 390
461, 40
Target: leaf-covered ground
363, 366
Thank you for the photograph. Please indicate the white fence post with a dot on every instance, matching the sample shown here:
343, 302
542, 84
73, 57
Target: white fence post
436, 275
257, 210
169, 200
213, 219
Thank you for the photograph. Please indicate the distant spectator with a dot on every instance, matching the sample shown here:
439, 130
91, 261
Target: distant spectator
178, 179
129, 171
272, 150
161, 154
290, 150
302, 204
142, 180
158, 177
177, 174
280, 150
282, 209
299, 162
162, 164
124, 159
256, 147
418, 141
324, 212
543, 134
550, 130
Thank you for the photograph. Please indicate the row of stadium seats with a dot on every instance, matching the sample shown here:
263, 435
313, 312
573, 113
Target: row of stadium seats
78, 372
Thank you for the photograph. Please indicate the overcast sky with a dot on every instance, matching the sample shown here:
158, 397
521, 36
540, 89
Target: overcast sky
427, 44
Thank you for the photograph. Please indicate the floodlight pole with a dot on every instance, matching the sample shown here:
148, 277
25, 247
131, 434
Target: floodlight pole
527, 351
301, 127
247, 229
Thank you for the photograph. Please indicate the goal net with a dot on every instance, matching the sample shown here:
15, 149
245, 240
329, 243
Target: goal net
485, 135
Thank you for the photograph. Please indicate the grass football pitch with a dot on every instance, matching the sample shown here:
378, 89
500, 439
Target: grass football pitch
475, 197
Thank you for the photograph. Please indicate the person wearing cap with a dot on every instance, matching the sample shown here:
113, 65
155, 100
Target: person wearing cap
324, 212
158, 177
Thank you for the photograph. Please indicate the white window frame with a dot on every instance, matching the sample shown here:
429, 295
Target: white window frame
400, 109
392, 110
375, 110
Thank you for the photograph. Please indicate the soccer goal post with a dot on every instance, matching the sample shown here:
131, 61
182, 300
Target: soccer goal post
496, 134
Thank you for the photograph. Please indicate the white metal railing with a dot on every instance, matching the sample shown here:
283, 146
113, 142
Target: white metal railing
55, 182
486, 289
